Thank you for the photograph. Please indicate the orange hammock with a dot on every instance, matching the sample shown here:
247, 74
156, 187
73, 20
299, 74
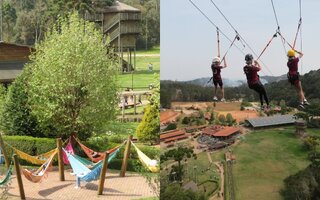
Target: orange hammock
94, 155
42, 172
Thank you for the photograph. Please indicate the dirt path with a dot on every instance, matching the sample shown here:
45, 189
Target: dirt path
219, 195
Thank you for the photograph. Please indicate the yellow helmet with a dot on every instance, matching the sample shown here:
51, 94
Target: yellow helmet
291, 53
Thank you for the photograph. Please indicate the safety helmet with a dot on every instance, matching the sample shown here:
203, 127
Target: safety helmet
216, 60
291, 53
248, 57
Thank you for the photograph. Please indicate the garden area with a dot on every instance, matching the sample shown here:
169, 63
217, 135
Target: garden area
69, 90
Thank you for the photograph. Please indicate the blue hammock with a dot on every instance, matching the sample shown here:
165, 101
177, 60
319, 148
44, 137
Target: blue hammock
83, 172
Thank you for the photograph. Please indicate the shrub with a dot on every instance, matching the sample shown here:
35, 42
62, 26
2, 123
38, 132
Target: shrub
30, 145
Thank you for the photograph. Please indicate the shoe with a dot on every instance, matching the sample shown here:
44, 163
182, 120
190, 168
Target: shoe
301, 106
223, 99
305, 102
267, 108
215, 98
262, 107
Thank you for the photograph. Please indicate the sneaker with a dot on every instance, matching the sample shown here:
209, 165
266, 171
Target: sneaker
305, 102
223, 99
215, 98
267, 108
262, 107
301, 106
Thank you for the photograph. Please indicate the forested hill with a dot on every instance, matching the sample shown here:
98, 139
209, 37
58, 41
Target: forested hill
281, 90
26, 21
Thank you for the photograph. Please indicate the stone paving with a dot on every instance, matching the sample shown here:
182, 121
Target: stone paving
133, 186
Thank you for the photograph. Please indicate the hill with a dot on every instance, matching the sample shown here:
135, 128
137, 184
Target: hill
281, 90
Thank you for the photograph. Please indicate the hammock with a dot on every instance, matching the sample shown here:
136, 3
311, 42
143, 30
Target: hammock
146, 161
93, 155
83, 172
8, 175
38, 160
68, 148
38, 175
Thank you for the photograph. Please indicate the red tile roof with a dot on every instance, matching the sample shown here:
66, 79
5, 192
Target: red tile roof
170, 134
227, 132
175, 138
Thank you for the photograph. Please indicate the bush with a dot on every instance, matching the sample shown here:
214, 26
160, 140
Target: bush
133, 165
30, 145
171, 126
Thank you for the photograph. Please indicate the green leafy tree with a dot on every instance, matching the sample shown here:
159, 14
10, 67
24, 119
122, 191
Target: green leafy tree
3, 94
230, 120
16, 116
149, 128
222, 119
171, 126
178, 155
73, 85
9, 19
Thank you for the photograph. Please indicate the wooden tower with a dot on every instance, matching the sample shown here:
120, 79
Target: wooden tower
121, 23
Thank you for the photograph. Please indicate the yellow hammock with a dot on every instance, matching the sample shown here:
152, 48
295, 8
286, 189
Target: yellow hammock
37, 160
39, 174
152, 165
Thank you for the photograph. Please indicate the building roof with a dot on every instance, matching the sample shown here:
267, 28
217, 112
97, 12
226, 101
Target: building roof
195, 127
227, 132
271, 121
176, 138
118, 7
212, 130
172, 133
12, 59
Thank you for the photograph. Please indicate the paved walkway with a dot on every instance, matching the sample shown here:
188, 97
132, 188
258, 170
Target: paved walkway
133, 186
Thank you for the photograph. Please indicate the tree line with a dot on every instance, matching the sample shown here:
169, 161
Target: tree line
277, 91
27, 21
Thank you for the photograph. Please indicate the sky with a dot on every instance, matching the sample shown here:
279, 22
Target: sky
189, 41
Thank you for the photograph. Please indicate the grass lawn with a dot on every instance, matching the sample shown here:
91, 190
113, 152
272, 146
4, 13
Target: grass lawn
141, 76
199, 169
154, 50
264, 159
122, 128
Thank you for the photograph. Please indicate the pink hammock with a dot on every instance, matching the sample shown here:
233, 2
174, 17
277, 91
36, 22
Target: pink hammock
69, 149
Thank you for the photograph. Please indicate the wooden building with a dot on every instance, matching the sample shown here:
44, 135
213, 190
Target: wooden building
121, 23
12, 59
173, 136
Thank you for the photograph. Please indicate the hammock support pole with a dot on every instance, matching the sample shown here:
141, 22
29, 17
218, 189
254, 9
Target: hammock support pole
103, 173
19, 179
60, 160
4, 152
126, 157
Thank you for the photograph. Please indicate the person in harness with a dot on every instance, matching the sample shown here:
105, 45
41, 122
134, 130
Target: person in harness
217, 80
294, 76
253, 80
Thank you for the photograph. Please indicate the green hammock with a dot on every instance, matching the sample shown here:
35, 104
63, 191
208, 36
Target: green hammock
7, 177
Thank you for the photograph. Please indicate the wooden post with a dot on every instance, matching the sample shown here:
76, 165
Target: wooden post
4, 152
103, 173
123, 107
135, 104
19, 179
60, 160
126, 157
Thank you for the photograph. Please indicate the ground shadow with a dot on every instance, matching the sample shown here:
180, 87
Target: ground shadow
49, 191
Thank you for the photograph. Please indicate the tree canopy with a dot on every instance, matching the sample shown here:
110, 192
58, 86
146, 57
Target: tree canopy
73, 82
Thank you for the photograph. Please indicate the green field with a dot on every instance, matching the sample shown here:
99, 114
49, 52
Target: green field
264, 159
141, 76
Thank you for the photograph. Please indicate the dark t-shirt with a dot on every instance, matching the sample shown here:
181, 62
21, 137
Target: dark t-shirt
216, 71
293, 66
252, 74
